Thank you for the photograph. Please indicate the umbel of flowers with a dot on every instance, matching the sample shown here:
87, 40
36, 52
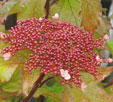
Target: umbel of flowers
59, 48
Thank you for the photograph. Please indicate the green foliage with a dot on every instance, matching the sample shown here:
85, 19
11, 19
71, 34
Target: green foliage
96, 94
68, 10
5, 9
29, 79
52, 90
32, 8
110, 46
14, 82
73, 95
90, 14
14, 85
109, 90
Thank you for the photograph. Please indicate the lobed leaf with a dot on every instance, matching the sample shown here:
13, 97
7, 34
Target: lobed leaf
15, 83
4, 10
68, 10
29, 79
32, 8
110, 46
96, 94
73, 95
91, 14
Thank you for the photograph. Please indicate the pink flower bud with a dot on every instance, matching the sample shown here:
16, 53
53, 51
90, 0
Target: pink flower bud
109, 60
106, 37
1, 19
0, 51
2, 35
56, 16
104, 76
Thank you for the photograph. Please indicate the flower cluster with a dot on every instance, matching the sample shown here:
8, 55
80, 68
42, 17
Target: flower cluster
59, 48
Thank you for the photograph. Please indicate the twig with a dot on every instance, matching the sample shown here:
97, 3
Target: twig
110, 83
47, 7
37, 84
46, 81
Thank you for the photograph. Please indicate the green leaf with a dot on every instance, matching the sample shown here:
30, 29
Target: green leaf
104, 27
88, 78
12, 99
56, 88
109, 90
6, 8
111, 17
15, 83
6, 70
52, 95
50, 100
91, 14
52, 90
96, 94
15, 9
22, 55
29, 79
68, 10
5, 95
44, 92
2, 44
92, 91
2, 28
110, 46
32, 8
74, 95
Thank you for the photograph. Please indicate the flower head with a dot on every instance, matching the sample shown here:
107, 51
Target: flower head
59, 48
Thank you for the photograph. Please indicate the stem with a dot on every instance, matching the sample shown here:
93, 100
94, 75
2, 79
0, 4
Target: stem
110, 83
46, 81
36, 85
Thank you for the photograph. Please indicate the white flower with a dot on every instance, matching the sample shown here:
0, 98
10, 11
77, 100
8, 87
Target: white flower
40, 19
56, 16
7, 56
106, 37
65, 74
